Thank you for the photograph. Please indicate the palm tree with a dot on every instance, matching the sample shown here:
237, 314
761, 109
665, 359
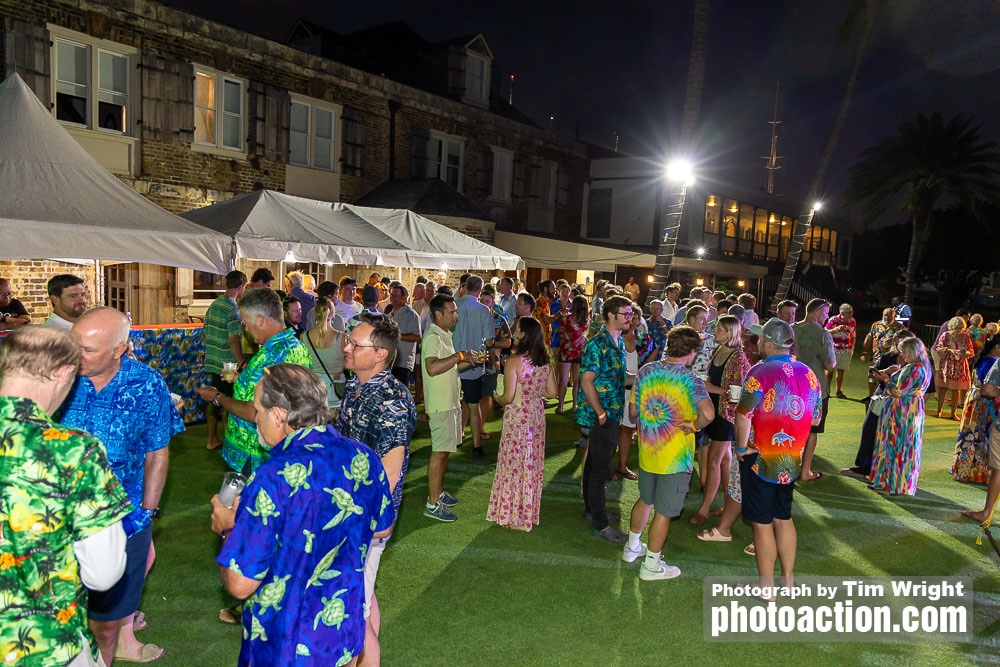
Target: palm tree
860, 18
928, 159
689, 123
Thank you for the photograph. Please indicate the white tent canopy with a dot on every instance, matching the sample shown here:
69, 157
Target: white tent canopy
269, 225
58, 201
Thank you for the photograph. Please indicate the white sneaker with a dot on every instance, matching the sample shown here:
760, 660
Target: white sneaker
661, 571
630, 556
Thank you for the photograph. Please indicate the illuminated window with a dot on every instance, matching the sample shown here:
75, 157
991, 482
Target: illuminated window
219, 110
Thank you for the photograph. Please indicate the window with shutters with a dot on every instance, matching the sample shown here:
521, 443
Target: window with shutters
92, 82
446, 159
354, 142
503, 161
220, 110
312, 140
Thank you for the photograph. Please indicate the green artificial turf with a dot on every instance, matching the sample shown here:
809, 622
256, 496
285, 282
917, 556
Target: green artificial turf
470, 593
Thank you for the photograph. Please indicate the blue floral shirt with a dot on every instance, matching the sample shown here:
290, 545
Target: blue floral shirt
303, 529
132, 416
658, 332
382, 416
606, 359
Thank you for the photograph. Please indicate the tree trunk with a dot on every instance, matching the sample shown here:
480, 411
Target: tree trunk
921, 225
804, 221
674, 202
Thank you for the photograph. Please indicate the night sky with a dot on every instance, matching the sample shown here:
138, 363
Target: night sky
621, 67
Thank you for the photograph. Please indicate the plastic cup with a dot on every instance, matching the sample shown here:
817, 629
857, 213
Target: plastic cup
229, 371
735, 392
232, 487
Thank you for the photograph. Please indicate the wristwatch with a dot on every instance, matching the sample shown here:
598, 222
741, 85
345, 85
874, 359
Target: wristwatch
154, 513
215, 400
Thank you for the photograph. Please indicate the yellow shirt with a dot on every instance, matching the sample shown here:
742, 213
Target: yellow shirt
440, 391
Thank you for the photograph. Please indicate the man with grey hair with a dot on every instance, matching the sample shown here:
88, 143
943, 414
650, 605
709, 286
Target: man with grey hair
474, 331
127, 406
83, 542
262, 317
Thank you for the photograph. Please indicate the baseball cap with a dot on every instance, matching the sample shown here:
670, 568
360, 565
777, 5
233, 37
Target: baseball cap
348, 281
369, 295
775, 331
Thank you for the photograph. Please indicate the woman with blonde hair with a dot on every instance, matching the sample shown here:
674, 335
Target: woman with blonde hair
324, 343
727, 368
955, 349
896, 462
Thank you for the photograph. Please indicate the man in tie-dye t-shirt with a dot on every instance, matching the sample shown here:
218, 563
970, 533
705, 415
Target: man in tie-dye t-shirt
669, 405
781, 400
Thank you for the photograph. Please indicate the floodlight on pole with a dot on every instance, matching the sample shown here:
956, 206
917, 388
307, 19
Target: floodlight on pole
680, 171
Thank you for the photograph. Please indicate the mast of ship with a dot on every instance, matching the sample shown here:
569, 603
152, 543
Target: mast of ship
771, 163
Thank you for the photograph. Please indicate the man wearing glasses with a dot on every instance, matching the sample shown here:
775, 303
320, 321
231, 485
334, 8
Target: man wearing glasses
599, 408
13, 314
262, 317
378, 411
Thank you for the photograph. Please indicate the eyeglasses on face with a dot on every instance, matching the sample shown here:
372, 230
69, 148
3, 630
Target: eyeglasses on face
350, 341
6, 295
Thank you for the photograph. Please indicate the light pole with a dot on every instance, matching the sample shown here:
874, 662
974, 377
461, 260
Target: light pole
679, 173
792, 260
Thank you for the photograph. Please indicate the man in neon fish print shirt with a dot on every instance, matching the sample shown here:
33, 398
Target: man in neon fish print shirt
781, 401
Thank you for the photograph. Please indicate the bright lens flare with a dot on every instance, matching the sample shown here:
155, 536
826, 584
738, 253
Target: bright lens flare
680, 171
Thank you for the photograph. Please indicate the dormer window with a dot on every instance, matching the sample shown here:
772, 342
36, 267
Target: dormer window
478, 58
477, 79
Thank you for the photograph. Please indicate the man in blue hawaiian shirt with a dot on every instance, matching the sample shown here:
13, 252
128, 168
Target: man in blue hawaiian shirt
295, 545
599, 407
127, 406
379, 411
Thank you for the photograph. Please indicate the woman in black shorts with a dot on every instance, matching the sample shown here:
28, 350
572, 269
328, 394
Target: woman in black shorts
728, 367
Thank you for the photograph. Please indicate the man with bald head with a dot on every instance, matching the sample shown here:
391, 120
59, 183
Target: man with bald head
13, 314
127, 406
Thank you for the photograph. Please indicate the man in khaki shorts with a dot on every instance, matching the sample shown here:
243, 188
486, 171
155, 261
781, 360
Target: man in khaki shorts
991, 389
440, 366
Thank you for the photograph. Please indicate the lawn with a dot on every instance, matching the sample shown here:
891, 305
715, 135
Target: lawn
470, 593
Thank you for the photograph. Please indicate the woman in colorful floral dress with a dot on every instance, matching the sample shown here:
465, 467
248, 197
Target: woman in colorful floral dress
955, 348
896, 462
516, 497
572, 336
972, 449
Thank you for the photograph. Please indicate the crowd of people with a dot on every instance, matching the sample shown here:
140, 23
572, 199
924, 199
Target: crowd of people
316, 389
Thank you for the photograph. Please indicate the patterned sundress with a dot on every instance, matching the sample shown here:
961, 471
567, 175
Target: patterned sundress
972, 448
896, 462
516, 497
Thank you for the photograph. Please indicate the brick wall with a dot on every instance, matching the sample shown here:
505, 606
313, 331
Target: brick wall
28, 279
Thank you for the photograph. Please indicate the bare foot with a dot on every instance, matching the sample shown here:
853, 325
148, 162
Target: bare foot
978, 517
213, 445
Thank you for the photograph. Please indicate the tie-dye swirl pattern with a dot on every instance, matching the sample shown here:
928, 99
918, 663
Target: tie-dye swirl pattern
667, 396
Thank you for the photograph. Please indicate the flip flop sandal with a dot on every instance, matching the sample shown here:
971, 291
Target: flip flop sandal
148, 653
749, 550
717, 512
698, 520
231, 615
139, 621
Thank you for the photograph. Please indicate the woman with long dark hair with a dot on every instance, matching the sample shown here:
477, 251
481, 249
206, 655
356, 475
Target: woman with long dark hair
572, 336
516, 497
972, 448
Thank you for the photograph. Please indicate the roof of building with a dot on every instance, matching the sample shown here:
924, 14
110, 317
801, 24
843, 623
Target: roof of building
426, 196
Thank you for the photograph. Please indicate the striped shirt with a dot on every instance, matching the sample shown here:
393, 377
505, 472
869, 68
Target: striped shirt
222, 320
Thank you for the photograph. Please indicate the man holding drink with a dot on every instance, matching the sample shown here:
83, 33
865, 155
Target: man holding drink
223, 349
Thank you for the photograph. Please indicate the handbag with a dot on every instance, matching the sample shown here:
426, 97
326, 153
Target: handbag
877, 404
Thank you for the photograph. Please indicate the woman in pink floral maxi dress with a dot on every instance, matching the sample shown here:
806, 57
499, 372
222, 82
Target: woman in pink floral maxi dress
516, 497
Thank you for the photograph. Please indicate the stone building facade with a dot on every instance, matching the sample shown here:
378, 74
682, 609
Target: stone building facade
189, 112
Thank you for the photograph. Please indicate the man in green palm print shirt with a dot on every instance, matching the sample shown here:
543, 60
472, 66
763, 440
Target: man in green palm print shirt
262, 317
60, 507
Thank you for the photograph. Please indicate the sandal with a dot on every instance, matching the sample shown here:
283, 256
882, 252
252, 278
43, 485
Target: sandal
148, 653
139, 621
627, 474
713, 535
816, 477
698, 519
231, 615
749, 550
717, 512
